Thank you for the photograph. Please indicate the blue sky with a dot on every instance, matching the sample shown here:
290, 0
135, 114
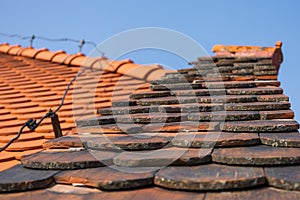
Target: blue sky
209, 22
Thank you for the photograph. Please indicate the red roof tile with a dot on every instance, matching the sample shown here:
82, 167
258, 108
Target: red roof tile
227, 116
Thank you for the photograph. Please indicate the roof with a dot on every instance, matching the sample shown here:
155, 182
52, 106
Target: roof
32, 81
222, 129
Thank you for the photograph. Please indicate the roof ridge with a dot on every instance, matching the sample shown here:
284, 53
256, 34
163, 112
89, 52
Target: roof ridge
124, 67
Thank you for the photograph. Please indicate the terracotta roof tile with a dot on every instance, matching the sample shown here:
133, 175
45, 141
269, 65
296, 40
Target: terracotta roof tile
283, 177
257, 155
227, 109
209, 177
8, 164
63, 142
15, 179
262, 193
106, 178
125, 142
23, 137
47, 55
280, 139
163, 157
31, 53
67, 160
25, 145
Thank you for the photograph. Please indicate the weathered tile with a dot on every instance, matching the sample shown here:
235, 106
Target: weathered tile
216, 70
94, 121
254, 91
128, 142
171, 76
230, 84
287, 177
263, 83
242, 71
243, 65
151, 118
180, 78
258, 106
265, 72
266, 77
198, 92
280, 139
227, 99
261, 126
242, 78
44, 194
209, 177
166, 101
68, 159
188, 126
224, 116
257, 155
18, 178
111, 128
63, 142
126, 110
176, 86
225, 62
123, 103
108, 178
192, 107
273, 98
277, 114
258, 193
153, 193
163, 157
262, 67
215, 140
150, 94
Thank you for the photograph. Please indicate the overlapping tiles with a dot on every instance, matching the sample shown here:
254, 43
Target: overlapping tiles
225, 124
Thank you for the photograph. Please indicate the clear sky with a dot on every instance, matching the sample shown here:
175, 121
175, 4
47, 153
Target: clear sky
209, 22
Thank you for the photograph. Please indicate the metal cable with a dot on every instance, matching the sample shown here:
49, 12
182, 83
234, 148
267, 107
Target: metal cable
32, 124
19, 134
33, 37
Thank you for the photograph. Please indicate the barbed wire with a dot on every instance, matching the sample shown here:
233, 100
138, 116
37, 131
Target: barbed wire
32, 124
33, 37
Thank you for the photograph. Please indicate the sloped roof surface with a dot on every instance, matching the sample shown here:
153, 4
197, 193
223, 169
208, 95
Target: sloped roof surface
33, 81
222, 129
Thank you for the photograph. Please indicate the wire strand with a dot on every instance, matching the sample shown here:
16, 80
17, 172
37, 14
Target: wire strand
32, 124
33, 37
18, 135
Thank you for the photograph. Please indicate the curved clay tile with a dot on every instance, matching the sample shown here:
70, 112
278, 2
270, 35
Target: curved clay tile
5, 47
59, 58
48, 55
14, 50
69, 59
31, 52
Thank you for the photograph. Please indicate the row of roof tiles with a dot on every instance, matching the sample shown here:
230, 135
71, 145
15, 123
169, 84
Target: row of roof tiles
255, 142
32, 81
125, 67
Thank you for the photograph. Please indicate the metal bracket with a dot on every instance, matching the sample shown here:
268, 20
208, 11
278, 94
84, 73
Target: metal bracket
56, 125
